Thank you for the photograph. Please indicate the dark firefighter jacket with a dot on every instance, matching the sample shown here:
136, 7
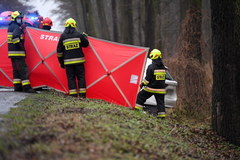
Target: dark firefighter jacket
69, 49
15, 41
154, 81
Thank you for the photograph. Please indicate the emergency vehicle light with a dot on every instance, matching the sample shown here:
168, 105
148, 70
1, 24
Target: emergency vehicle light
33, 18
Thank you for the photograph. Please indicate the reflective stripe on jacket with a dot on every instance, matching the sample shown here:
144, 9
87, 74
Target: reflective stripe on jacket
15, 41
69, 48
153, 90
155, 78
74, 61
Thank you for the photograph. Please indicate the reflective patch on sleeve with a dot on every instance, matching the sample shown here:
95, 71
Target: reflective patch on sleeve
145, 82
10, 37
16, 40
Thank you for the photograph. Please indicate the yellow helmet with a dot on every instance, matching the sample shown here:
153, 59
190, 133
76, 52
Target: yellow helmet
70, 23
16, 14
155, 54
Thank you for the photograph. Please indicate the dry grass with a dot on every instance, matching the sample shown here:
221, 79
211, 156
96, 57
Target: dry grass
51, 126
193, 76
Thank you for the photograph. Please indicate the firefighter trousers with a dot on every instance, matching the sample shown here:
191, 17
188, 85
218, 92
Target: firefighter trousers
76, 72
144, 95
20, 74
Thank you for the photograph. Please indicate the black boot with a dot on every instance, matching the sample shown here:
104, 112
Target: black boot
28, 89
82, 95
18, 88
73, 95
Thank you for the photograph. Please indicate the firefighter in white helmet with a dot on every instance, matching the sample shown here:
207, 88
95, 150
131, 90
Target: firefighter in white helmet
71, 57
154, 84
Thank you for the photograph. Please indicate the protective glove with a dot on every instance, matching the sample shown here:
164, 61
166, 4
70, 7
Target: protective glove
85, 34
141, 85
23, 26
61, 61
62, 65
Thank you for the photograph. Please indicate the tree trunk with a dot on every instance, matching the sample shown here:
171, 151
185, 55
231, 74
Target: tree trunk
170, 27
88, 17
149, 24
102, 25
184, 6
142, 22
78, 15
226, 65
206, 44
136, 22
114, 17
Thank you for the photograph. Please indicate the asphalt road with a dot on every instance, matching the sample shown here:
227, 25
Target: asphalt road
8, 99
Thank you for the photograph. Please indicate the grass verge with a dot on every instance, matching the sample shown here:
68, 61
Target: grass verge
52, 126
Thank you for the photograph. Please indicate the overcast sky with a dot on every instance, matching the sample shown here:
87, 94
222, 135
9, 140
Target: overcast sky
44, 9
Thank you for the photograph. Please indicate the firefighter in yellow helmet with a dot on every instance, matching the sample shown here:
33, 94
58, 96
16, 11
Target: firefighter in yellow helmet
16, 52
71, 57
154, 84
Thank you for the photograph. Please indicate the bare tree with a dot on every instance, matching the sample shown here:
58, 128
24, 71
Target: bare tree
137, 22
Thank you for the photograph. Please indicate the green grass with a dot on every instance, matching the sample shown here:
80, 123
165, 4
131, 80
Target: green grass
53, 126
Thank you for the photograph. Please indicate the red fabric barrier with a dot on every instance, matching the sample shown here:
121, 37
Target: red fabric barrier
43, 66
113, 70
5, 63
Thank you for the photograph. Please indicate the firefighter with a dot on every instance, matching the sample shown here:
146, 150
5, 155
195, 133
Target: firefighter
154, 84
17, 53
71, 57
47, 23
